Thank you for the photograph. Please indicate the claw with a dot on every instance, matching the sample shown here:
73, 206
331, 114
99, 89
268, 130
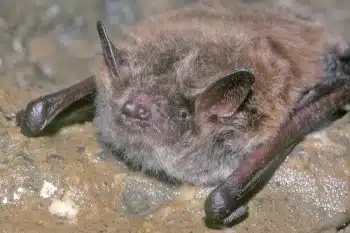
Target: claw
40, 112
34, 117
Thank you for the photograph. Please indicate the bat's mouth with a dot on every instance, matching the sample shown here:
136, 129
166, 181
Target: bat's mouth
133, 123
144, 129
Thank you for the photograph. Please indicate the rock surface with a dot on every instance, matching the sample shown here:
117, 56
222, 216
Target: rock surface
66, 183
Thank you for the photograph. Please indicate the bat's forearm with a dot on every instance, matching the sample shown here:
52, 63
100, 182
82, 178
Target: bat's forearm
41, 111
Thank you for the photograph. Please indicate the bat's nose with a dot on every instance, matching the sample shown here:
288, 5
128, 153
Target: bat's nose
136, 110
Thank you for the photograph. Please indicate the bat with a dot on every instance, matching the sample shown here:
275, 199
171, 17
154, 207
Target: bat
210, 95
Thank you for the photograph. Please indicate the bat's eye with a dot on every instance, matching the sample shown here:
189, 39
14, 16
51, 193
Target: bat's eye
184, 113
180, 108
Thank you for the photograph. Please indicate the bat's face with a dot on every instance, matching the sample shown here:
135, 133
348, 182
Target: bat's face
148, 111
149, 107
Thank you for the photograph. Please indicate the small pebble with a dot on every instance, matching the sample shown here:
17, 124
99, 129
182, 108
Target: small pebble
45, 69
20, 80
80, 149
53, 11
17, 45
142, 196
64, 208
47, 190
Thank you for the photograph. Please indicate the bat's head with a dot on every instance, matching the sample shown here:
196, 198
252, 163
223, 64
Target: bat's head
161, 102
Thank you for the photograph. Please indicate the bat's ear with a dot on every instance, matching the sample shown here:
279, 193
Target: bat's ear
110, 53
224, 96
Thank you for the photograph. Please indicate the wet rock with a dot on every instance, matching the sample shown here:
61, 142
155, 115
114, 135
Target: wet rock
142, 195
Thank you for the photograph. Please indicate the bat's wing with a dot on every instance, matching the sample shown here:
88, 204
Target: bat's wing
227, 202
43, 110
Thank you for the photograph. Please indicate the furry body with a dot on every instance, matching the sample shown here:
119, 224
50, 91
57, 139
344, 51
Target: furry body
174, 57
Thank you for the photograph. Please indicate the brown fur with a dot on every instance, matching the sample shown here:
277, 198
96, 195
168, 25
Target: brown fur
181, 53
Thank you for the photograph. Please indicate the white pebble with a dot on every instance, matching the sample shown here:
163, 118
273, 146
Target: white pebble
47, 190
16, 196
66, 208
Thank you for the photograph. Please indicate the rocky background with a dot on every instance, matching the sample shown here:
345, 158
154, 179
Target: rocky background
66, 183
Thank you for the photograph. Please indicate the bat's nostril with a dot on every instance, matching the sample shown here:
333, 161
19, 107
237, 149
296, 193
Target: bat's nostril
136, 111
143, 112
129, 109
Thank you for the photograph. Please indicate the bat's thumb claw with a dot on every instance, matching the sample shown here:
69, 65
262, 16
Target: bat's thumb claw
222, 208
32, 119
217, 205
